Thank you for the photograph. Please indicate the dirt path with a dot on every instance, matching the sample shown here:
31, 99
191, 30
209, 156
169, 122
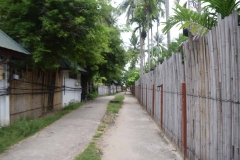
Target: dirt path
135, 136
65, 138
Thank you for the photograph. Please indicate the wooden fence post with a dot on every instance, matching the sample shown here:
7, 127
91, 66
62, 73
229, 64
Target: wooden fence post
153, 101
146, 97
142, 95
161, 106
184, 120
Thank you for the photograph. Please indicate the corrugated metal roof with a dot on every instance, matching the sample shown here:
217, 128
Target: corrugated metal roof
81, 69
8, 43
65, 64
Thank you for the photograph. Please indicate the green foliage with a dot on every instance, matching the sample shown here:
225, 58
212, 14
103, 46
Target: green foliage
115, 58
24, 128
133, 53
201, 21
130, 76
114, 107
90, 153
91, 96
185, 17
80, 31
224, 7
173, 48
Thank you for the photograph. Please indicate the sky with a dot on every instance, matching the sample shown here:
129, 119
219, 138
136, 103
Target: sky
127, 35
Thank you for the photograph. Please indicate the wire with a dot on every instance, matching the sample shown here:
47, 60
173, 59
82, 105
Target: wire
197, 96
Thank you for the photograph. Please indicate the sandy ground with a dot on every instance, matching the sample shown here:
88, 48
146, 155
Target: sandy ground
135, 136
65, 138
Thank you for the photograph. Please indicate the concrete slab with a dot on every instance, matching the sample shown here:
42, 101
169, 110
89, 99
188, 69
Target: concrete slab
135, 136
65, 138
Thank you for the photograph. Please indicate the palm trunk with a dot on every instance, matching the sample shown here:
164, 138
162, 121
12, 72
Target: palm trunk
167, 16
148, 52
141, 53
151, 46
148, 46
158, 49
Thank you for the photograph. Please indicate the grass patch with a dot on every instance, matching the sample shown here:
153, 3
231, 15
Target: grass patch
92, 152
97, 135
101, 127
24, 128
114, 107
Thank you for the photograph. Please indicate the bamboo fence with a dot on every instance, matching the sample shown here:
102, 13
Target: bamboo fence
34, 93
211, 71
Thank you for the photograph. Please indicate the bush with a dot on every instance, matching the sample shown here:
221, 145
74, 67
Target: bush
91, 96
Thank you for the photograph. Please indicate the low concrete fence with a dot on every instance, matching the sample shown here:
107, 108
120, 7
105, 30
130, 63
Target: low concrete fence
104, 90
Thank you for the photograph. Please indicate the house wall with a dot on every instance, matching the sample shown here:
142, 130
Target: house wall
4, 99
34, 94
71, 92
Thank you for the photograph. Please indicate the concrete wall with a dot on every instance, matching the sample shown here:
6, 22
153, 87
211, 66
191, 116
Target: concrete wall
4, 99
104, 90
119, 88
72, 92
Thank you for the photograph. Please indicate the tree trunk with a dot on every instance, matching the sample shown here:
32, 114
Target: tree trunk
141, 54
148, 45
158, 48
151, 46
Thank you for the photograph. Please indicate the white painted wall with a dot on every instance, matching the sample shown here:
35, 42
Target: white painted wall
4, 100
69, 95
104, 90
119, 88
113, 89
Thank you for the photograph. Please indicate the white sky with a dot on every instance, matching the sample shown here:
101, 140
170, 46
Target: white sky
127, 35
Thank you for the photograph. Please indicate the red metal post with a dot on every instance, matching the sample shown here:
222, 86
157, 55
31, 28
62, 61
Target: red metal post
146, 97
184, 120
161, 107
153, 101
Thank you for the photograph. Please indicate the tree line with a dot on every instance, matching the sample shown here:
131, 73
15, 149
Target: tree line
82, 32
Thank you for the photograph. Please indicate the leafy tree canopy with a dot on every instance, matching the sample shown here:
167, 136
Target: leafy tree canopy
81, 31
130, 76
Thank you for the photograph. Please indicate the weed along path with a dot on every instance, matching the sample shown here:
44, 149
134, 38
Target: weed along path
135, 136
65, 138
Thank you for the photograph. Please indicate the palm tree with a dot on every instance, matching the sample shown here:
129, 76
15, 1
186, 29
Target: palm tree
151, 10
135, 15
160, 4
128, 7
159, 42
134, 51
140, 19
167, 17
203, 21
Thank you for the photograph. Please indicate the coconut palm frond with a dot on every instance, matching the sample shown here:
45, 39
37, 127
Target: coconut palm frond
185, 17
224, 7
